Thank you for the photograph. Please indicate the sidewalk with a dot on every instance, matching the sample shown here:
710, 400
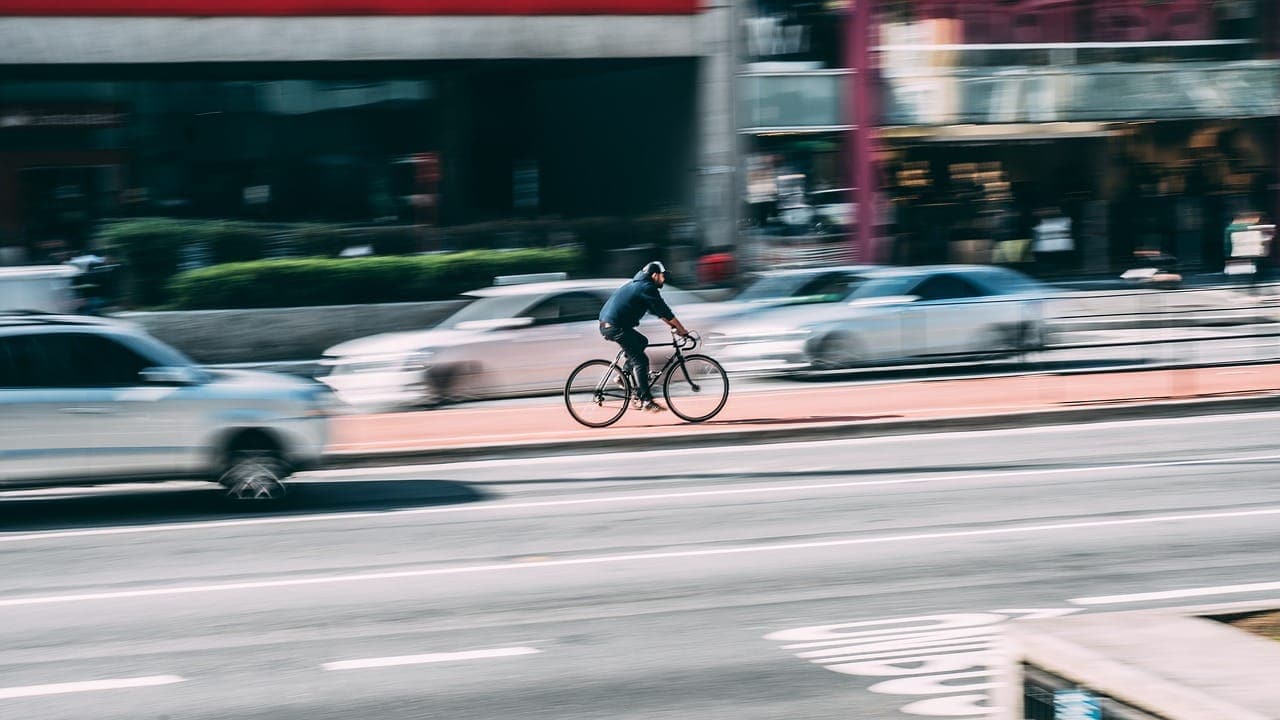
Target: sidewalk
812, 411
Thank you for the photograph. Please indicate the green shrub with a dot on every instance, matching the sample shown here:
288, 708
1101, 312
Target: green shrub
153, 248
326, 281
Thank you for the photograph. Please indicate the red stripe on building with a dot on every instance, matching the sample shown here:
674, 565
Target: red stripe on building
153, 8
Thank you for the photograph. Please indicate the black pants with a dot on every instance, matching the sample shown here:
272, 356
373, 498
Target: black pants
633, 344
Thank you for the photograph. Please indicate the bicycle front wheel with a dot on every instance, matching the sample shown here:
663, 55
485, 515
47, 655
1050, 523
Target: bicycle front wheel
697, 391
597, 393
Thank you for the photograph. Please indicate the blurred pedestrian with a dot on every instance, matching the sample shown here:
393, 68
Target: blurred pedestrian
1246, 243
1052, 242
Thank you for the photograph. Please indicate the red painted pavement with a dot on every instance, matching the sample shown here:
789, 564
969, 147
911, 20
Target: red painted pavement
809, 405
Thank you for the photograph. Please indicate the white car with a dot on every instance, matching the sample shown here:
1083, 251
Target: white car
510, 340
896, 315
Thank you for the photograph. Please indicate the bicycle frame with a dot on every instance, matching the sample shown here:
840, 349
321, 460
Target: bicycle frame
676, 358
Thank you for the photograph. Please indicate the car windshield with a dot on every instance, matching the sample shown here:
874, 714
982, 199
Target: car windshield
885, 287
675, 296
489, 308
1009, 282
772, 287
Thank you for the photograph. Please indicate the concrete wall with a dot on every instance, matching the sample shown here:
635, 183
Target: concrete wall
235, 336
39, 41
275, 334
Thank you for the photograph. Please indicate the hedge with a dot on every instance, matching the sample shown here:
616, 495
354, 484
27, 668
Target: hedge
152, 249
325, 281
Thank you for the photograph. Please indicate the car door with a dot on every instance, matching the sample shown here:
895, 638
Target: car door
154, 429
55, 424
564, 333
87, 414
950, 313
34, 443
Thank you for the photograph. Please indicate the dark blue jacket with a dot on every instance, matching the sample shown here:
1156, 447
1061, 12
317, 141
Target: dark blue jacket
630, 302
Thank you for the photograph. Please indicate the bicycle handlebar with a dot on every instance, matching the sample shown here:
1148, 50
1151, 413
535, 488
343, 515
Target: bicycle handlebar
688, 342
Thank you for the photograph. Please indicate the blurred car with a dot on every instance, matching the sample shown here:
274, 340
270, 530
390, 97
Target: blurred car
509, 340
895, 315
92, 400
47, 288
834, 210
798, 286
821, 212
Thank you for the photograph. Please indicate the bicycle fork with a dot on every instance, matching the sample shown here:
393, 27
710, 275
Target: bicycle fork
684, 370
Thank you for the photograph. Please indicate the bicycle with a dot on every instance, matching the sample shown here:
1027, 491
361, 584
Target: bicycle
598, 392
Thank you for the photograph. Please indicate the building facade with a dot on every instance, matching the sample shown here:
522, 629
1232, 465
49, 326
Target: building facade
961, 123
431, 112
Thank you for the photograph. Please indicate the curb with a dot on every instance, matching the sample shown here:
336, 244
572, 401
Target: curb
827, 431
1080, 651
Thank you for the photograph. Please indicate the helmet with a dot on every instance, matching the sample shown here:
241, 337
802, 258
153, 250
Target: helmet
654, 267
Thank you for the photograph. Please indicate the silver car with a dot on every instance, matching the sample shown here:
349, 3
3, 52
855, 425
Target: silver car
510, 340
894, 315
92, 400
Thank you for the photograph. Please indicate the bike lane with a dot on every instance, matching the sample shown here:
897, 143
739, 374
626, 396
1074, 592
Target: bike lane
809, 406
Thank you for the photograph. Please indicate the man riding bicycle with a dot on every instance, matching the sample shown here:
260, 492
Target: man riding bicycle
622, 313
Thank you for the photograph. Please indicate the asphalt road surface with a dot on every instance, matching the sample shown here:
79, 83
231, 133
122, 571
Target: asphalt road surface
687, 584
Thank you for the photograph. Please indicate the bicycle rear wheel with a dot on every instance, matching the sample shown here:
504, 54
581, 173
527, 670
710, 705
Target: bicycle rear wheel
597, 393
697, 392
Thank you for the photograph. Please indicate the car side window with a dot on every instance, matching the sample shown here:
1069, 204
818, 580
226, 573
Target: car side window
12, 369
570, 307
830, 286
946, 287
580, 307
33, 362
107, 362
69, 360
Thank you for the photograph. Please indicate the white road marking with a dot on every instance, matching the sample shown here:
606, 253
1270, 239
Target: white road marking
616, 499
534, 564
88, 686
1174, 594
429, 658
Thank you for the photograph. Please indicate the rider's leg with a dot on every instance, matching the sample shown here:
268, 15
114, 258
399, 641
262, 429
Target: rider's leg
634, 344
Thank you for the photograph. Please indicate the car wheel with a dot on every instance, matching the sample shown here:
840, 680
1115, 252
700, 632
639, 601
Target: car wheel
835, 352
255, 476
450, 384
1033, 337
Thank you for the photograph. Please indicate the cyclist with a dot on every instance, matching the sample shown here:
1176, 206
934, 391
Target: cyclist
620, 316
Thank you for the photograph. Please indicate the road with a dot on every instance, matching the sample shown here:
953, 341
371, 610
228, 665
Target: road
686, 584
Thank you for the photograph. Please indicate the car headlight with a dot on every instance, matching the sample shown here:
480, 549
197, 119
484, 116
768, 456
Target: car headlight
387, 362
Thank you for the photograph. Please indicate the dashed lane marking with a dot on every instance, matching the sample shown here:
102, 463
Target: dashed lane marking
992, 531
398, 660
1175, 594
88, 686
